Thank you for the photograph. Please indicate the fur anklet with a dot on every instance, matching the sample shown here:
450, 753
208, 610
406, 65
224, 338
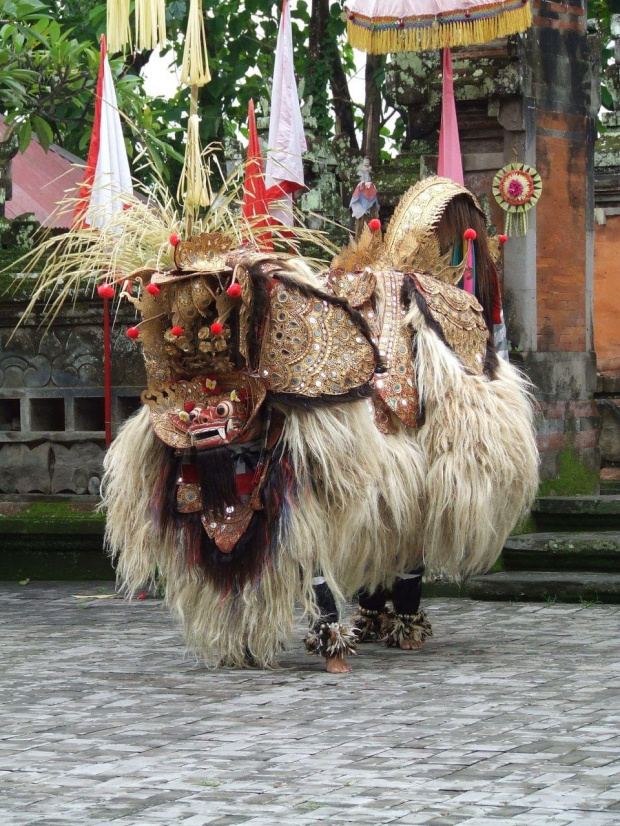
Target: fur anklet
367, 625
399, 627
331, 639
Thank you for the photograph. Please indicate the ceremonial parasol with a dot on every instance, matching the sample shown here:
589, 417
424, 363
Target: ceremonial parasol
387, 26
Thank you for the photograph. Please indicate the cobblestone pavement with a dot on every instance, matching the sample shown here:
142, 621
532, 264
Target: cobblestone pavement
508, 716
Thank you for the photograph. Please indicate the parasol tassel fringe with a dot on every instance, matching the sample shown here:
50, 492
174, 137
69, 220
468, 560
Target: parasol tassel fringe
150, 24
117, 25
195, 68
193, 187
438, 35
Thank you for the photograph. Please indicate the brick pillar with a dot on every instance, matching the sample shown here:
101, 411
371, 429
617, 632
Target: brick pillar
549, 273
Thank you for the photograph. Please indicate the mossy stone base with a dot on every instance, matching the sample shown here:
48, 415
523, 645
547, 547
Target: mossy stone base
563, 551
545, 586
576, 513
52, 540
575, 474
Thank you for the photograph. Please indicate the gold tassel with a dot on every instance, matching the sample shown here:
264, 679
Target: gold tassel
193, 186
195, 68
150, 24
439, 35
117, 26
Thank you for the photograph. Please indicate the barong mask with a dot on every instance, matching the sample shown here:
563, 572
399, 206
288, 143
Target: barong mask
208, 411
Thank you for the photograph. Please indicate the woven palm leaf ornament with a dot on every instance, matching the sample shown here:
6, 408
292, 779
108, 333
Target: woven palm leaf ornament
150, 22
517, 187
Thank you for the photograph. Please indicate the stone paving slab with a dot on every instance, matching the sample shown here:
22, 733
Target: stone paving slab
509, 715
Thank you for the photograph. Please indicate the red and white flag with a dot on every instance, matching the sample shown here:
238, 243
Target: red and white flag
255, 207
107, 179
284, 173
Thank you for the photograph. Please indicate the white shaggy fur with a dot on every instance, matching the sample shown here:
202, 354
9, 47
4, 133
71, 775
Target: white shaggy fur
368, 505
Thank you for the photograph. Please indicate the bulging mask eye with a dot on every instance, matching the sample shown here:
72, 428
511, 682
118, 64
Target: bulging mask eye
194, 413
225, 409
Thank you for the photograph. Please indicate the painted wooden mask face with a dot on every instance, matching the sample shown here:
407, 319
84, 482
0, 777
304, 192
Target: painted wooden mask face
208, 411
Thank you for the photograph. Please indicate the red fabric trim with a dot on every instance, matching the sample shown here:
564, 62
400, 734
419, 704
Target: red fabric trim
283, 188
497, 302
245, 483
189, 474
93, 150
254, 190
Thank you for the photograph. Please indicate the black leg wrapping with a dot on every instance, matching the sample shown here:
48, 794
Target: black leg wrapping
367, 622
406, 622
329, 638
326, 602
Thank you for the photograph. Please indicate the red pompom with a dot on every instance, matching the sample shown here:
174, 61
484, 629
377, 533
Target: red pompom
470, 234
189, 406
174, 239
133, 332
467, 13
152, 289
216, 328
374, 224
177, 331
401, 24
105, 291
502, 239
234, 291
351, 16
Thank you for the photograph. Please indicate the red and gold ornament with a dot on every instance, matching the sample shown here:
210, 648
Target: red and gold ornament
517, 187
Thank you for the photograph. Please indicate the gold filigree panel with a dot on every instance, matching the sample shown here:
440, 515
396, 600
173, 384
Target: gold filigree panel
188, 497
460, 317
203, 253
312, 348
357, 288
397, 386
227, 532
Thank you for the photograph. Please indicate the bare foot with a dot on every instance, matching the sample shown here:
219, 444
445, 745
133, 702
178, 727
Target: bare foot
411, 645
337, 665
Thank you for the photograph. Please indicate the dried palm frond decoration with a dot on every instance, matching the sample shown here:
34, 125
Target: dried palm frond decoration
195, 67
117, 25
193, 188
139, 238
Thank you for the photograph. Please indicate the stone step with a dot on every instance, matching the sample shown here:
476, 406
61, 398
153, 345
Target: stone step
577, 513
580, 551
53, 540
542, 586
610, 481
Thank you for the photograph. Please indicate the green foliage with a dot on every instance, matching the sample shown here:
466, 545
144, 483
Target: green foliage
48, 77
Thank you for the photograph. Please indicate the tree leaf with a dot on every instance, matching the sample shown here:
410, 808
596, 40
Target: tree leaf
25, 135
43, 131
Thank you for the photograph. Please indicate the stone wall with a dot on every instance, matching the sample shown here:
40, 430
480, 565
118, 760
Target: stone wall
51, 397
607, 294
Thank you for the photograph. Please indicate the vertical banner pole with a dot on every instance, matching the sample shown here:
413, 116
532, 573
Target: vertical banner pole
107, 372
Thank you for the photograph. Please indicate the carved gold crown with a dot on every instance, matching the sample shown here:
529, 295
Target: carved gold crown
411, 242
203, 254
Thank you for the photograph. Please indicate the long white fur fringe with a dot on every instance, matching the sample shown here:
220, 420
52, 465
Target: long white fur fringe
368, 506
482, 462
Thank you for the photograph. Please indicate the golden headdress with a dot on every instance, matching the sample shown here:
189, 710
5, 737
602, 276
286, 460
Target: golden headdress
411, 242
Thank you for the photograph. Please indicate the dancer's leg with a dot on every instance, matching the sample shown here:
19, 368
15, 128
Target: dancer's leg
408, 626
328, 637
